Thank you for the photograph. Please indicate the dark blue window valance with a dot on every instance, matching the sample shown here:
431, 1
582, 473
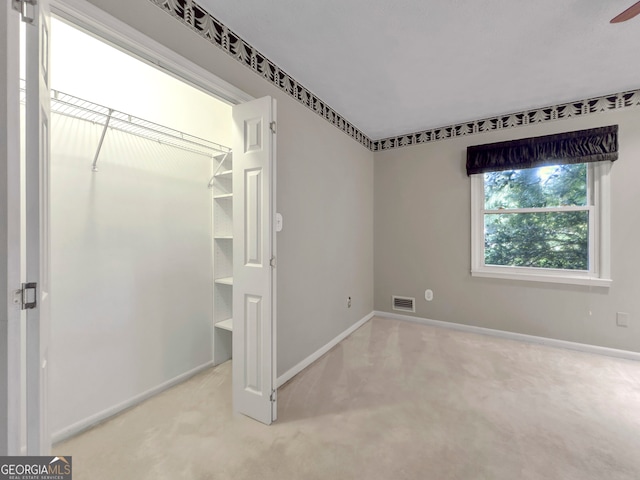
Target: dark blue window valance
582, 146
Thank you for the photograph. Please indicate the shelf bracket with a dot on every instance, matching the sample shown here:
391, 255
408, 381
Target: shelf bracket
94, 165
210, 184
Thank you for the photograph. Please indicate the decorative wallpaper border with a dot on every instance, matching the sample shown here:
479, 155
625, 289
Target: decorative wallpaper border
207, 26
540, 115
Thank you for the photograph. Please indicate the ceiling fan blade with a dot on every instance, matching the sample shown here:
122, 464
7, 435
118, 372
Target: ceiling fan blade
628, 14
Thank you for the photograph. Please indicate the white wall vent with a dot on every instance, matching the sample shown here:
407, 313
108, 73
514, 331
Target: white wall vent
405, 304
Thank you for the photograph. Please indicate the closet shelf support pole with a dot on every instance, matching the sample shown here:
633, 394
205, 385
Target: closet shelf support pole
94, 165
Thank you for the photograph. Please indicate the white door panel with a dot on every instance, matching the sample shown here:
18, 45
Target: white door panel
38, 35
254, 319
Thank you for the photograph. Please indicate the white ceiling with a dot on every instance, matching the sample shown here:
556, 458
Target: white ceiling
400, 66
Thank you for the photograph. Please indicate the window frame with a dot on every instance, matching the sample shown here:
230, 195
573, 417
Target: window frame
599, 208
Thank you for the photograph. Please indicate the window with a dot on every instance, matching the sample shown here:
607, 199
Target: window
545, 222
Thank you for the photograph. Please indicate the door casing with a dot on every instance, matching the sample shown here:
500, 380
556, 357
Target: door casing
10, 238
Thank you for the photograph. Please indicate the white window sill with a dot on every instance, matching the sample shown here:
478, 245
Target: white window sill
540, 277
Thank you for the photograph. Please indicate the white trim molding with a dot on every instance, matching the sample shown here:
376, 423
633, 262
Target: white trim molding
100, 417
296, 369
10, 323
521, 337
536, 277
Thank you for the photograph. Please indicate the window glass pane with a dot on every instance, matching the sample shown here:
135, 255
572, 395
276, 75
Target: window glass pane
551, 186
541, 240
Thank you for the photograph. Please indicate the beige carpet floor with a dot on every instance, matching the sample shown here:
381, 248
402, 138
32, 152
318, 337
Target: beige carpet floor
395, 400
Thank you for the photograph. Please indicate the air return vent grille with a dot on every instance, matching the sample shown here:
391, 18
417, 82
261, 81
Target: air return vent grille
405, 304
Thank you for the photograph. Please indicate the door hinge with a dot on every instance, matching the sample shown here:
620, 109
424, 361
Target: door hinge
21, 297
26, 8
272, 126
272, 262
274, 396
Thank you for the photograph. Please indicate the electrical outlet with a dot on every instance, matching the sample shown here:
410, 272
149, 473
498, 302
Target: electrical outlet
622, 319
349, 302
428, 295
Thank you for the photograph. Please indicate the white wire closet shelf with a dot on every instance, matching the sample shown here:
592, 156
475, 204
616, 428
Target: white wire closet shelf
74, 107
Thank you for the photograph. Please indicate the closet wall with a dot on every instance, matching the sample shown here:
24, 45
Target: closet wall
130, 244
89, 68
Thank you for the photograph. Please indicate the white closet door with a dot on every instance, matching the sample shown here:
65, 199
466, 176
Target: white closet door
37, 215
10, 382
253, 212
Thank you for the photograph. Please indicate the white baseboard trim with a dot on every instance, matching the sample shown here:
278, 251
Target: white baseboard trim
296, 369
100, 417
550, 342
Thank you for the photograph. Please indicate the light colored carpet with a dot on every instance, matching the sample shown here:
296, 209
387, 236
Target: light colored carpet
395, 400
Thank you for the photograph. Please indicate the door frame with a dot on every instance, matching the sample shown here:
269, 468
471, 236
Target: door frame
10, 242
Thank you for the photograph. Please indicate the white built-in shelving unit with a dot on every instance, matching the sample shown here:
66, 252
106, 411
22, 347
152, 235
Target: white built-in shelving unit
222, 193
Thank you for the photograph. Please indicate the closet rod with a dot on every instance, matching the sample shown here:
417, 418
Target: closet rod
74, 107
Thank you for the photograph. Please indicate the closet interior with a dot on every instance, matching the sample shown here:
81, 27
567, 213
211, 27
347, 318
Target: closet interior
141, 230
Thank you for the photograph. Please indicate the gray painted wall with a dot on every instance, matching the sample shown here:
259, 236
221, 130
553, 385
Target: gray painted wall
422, 240
324, 192
131, 295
